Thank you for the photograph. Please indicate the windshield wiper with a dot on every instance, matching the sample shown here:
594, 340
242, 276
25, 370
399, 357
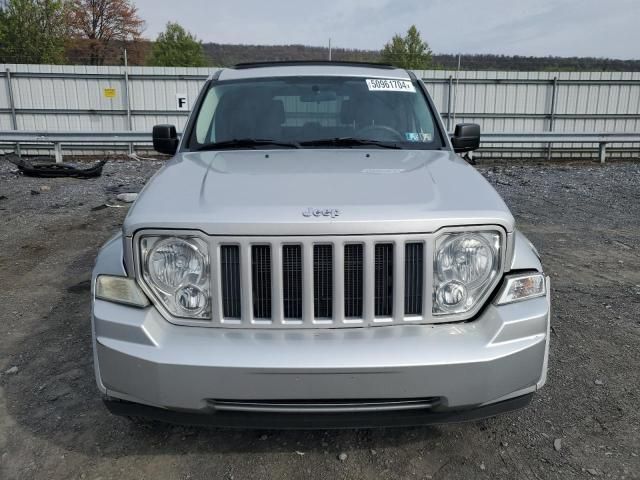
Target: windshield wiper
246, 143
349, 142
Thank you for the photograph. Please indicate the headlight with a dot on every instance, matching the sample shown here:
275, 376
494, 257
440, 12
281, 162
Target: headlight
465, 267
176, 270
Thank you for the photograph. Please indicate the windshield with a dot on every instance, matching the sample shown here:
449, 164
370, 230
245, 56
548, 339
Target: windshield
315, 112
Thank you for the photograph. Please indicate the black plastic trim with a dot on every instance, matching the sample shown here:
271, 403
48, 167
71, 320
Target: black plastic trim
302, 63
310, 421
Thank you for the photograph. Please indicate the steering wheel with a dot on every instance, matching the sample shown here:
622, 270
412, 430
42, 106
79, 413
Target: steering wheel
385, 130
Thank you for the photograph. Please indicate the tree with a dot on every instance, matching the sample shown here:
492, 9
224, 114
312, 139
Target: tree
33, 31
175, 47
409, 52
103, 27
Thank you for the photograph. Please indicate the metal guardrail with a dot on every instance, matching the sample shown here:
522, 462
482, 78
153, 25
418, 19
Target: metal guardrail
58, 139
21, 136
602, 139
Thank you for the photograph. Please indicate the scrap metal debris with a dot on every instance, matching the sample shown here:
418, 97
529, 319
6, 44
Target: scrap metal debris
107, 205
52, 169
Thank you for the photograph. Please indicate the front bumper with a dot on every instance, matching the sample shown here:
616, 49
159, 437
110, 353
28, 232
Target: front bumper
498, 357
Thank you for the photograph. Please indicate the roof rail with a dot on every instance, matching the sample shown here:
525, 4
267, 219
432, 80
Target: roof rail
300, 63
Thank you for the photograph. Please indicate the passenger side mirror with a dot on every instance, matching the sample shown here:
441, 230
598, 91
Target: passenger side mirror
165, 139
466, 137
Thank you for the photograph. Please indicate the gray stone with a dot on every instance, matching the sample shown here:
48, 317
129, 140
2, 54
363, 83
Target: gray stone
127, 197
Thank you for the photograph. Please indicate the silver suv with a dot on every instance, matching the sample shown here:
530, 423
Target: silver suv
317, 255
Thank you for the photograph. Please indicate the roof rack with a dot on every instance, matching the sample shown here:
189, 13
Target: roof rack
299, 63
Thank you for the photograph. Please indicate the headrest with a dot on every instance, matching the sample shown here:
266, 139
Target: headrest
348, 113
276, 111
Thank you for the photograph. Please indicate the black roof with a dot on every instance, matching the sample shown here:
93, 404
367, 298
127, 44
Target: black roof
324, 63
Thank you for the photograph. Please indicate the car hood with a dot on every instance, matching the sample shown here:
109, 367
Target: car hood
357, 191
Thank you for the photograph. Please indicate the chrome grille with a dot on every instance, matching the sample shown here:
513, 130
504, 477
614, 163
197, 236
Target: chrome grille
399, 266
302, 282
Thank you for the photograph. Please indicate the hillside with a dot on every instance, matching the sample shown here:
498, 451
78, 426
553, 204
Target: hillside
226, 55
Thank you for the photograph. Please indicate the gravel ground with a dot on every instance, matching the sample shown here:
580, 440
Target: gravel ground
585, 220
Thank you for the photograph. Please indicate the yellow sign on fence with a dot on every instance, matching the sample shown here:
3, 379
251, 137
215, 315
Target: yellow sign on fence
109, 92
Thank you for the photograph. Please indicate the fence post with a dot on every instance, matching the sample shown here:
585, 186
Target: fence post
602, 152
57, 148
552, 113
127, 93
449, 103
12, 107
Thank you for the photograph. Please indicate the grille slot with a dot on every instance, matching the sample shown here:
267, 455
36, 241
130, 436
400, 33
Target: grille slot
261, 280
323, 281
413, 278
292, 281
383, 283
353, 280
230, 277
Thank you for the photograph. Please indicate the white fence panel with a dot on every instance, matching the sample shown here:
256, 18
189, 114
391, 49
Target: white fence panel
98, 99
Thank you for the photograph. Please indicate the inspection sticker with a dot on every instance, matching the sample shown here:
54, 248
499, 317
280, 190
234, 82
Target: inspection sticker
418, 137
381, 84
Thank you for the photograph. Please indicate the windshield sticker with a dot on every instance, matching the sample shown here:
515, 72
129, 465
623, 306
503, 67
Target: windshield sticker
418, 137
380, 84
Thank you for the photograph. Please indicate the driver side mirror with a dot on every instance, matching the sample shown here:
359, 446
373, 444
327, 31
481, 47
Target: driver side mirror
165, 139
466, 137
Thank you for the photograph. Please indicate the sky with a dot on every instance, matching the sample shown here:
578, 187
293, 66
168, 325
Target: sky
597, 28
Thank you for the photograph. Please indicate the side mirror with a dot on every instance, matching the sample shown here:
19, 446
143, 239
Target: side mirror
165, 139
466, 137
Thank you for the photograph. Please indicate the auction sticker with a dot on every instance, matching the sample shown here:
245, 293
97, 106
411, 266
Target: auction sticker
384, 85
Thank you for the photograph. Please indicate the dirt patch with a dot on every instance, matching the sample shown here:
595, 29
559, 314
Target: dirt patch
584, 219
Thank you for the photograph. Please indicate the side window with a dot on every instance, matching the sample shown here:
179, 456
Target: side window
424, 120
206, 117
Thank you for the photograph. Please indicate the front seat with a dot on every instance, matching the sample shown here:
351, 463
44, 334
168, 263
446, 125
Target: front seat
270, 119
